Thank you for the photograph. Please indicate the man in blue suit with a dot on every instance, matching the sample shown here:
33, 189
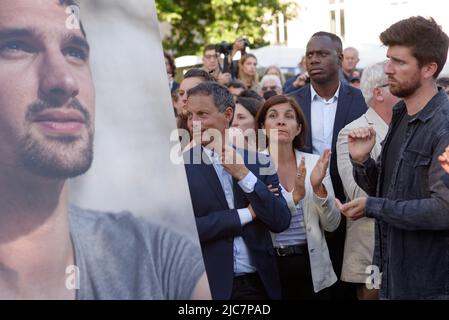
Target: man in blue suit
234, 208
329, 105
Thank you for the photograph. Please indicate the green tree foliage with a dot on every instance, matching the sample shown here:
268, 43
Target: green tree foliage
199, 22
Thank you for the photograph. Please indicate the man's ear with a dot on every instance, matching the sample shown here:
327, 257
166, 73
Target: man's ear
229, 114
340, 58
428, 70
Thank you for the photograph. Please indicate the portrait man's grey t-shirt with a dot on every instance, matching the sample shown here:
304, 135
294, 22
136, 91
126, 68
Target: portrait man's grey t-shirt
120, 257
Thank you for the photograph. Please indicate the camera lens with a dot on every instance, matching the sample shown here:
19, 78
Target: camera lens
224, 48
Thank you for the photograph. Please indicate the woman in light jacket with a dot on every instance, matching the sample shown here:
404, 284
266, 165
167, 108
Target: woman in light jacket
303, 257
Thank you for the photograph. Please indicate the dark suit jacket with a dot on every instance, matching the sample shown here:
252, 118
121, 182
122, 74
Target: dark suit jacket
288, 86
218, 225
351, 105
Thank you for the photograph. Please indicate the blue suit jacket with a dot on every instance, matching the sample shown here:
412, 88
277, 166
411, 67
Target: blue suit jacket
218, 225
351, 105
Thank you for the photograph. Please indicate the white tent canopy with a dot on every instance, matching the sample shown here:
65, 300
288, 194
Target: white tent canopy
281, 56
186, 61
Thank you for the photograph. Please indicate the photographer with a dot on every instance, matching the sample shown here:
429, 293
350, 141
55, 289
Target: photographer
211, 63
229, 51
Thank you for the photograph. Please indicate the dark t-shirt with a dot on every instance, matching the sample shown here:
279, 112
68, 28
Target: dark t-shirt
121, 257
392, 152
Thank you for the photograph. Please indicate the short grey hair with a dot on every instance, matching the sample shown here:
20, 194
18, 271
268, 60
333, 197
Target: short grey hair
373, 76
273, 78
351, 49
223, 99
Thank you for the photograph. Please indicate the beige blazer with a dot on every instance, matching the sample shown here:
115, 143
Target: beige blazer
359, 243
319, 215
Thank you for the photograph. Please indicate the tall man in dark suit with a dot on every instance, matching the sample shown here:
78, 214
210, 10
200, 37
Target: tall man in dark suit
234, 209
329, 105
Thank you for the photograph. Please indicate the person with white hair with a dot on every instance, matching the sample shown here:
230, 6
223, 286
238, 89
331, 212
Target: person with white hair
270, 83
359, 243
349, 63
276, 71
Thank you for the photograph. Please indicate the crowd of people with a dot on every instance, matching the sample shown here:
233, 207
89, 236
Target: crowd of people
358, 204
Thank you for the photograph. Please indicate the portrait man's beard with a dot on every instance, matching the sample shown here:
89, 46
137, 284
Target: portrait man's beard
56, 157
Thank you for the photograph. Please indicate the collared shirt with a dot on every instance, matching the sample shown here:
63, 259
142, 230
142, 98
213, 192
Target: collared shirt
242, 258
322, 120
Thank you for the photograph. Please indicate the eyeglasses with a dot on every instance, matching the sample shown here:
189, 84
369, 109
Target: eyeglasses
210, 57
271, 88
384, 85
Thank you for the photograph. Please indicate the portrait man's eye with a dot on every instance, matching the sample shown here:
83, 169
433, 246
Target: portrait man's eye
16, 47
77, 53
